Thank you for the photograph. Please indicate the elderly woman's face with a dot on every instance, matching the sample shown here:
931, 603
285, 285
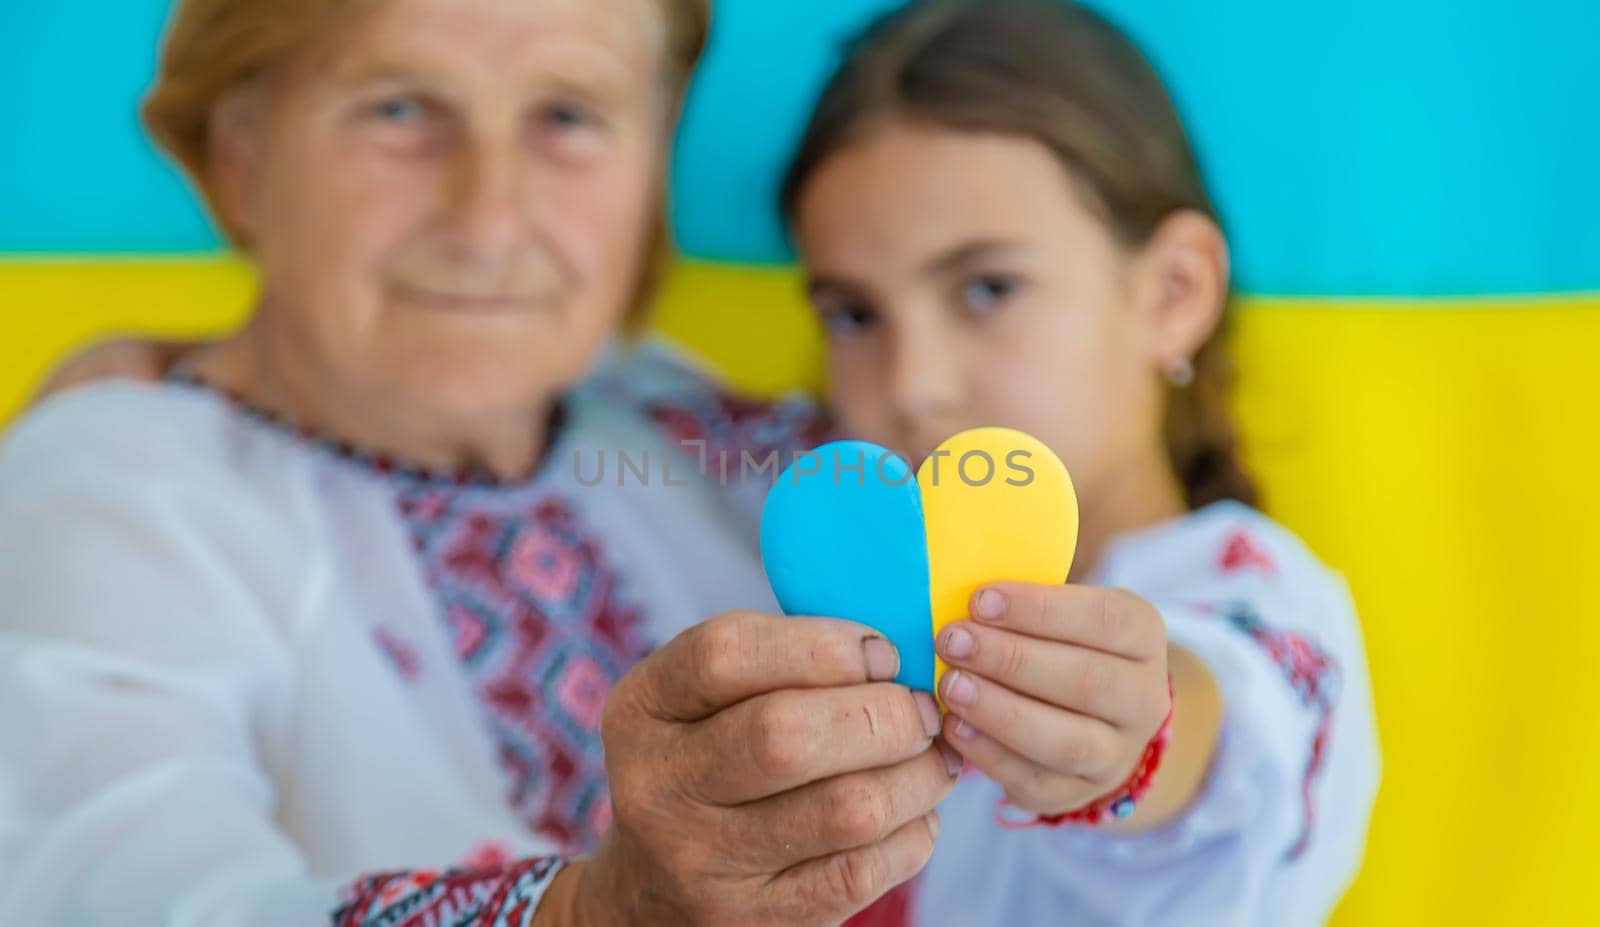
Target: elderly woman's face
450, 200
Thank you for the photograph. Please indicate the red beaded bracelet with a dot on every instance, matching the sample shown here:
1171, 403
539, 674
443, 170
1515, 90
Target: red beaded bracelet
1120, 802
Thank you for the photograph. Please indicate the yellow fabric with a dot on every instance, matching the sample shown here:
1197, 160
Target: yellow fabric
1444, 458
1028, 532
50, 307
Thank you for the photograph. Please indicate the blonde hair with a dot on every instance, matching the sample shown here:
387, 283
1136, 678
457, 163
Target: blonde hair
213, 46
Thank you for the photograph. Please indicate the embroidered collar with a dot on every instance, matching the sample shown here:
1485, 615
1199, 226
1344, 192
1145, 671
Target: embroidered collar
377, 462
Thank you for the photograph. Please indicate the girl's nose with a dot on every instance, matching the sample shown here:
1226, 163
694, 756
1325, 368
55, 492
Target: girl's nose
927, 376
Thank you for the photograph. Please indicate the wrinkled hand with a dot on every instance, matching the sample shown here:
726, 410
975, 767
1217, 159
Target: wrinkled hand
1055, 691
762, 772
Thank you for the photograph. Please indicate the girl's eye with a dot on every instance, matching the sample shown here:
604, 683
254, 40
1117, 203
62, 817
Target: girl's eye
847, 320
988, 292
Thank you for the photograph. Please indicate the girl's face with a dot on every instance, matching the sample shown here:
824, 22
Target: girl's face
964, 280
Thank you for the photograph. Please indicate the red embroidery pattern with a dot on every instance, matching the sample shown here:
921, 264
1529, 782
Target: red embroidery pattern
1241, 552
542, 632
492, 897
1315, 677
717, 428
400, 653
490, 854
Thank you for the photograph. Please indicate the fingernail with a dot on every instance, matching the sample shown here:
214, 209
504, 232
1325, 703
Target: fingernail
952, 759
960, 689
930, 713
957, 643
989, 606
964, 731
934, 824
883, 661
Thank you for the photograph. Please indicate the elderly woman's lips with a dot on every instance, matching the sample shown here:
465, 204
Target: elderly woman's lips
467, 302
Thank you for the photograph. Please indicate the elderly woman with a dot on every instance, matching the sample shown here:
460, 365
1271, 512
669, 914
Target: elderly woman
323, 626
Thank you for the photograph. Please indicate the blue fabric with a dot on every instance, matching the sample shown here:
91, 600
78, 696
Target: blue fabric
1369, 147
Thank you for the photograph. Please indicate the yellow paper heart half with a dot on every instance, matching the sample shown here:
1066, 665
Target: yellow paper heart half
998, 505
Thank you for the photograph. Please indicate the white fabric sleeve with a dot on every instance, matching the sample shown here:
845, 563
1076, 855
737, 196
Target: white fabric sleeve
144, 686
1279, 827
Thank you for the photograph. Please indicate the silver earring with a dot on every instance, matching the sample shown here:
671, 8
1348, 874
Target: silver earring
1181, 372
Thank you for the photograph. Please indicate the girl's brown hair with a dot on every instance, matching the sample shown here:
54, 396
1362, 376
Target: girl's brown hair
213, 46
1059, 74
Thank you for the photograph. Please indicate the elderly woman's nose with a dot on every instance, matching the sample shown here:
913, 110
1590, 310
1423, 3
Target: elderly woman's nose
486, 195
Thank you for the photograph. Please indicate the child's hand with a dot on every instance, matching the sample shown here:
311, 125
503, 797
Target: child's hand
1054, 691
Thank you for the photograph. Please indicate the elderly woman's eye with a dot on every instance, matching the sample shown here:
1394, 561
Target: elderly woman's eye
988, 292
569, 116
403, 122
397, 109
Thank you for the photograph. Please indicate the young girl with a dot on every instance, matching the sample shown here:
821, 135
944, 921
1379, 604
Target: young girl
1003, 223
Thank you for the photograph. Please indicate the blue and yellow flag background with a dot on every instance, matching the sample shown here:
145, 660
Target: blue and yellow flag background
1412, 189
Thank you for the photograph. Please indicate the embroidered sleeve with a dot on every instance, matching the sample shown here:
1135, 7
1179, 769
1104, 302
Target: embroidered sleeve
1313, 674
501, 896
708, 420
1311, 671
1278, 827
727, 427
1296, 765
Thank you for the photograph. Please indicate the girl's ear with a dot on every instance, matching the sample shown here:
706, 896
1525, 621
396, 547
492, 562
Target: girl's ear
235, 137
1183, 286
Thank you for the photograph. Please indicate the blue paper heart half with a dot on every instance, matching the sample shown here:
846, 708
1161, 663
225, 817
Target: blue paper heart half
842, 536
